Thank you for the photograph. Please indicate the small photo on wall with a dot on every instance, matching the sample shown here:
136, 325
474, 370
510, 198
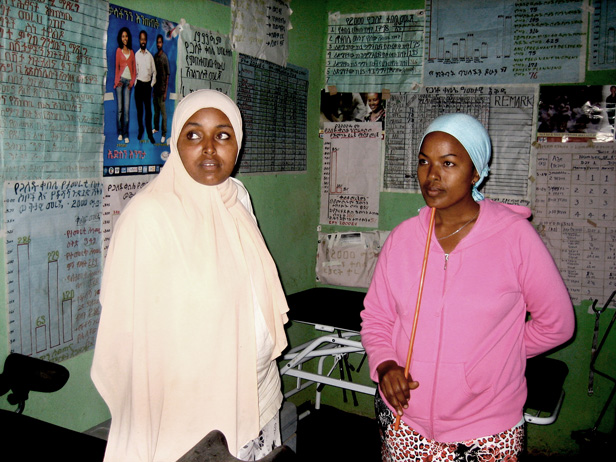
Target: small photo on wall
571, 113
352, 107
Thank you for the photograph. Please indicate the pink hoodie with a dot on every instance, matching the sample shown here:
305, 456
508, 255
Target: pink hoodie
472, 340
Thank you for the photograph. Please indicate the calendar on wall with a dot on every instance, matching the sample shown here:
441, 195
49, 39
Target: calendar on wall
575, 213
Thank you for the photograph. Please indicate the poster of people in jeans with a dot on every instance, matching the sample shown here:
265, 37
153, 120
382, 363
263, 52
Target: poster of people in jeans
139, 92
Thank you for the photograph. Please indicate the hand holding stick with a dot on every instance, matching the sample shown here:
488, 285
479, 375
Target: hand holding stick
418, 304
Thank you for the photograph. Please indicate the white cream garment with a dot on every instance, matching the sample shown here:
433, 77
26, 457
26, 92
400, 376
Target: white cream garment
176, 348
268, 375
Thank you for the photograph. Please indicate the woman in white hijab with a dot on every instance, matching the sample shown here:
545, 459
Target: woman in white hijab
192, 306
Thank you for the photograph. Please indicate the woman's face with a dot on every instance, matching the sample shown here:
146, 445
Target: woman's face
208, 147
445, 171
374, 101
125, 38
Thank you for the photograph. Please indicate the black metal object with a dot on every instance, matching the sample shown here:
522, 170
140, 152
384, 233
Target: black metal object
23, 374
545, 378
28, 438
592, 440
336, 308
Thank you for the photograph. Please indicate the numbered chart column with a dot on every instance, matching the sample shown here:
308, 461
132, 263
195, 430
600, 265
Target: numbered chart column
593, 251
571, 257
559, 189
607, 190
610, 262
540, 207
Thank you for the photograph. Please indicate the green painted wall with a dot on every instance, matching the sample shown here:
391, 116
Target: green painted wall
287, 207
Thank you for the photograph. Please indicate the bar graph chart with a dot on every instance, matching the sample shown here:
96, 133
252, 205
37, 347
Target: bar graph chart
503, 42
603, 35
466, 42
53, 263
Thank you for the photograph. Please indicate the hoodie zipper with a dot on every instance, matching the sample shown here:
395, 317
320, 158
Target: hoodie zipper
438, 356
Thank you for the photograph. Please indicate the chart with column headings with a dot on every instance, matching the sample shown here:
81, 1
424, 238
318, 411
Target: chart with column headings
273, 102
507, 113
408, 116
575, 213
53, 266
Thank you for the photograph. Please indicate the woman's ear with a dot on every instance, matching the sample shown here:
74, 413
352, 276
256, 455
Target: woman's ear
476, 176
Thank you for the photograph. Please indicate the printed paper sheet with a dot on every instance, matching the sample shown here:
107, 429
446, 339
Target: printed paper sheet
205, 59
259, 29
51, 80
507, 113
504, 42
374, 51
351, 166
575, 213
53, 271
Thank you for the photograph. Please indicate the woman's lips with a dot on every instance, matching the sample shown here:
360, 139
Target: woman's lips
432, 192
209, 164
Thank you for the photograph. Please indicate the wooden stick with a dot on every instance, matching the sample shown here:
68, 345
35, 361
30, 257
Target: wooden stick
422, 278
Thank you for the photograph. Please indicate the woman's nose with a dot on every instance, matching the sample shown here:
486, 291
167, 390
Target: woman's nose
208, 146
434, 172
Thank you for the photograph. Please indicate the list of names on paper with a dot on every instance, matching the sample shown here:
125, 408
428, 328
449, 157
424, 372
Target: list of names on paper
273, 101
375, 50
51, 74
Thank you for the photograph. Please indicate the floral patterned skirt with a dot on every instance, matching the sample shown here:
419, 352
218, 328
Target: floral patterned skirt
407, 445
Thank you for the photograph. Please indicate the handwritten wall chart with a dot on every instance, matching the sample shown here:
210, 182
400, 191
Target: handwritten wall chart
371, 51
53, 271
502, 41
51, 79
350, 181
117, 191
575, 213
603, 35
506, 111
259, 29
273, 101
205, 59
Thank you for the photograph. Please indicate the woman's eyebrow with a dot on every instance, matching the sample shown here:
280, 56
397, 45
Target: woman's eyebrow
197, 124
421, 153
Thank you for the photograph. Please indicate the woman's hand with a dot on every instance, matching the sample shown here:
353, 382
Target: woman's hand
395, 388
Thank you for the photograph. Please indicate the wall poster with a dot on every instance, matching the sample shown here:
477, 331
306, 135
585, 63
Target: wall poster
136, 134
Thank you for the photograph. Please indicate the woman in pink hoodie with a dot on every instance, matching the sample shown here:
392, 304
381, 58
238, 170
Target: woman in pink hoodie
492, 298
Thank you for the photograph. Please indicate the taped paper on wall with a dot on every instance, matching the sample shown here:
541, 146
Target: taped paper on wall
348, 259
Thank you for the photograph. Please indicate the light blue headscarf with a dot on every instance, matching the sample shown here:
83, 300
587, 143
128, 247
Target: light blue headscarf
473, 136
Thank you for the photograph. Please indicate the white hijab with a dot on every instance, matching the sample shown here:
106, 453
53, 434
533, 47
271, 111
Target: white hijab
176, 355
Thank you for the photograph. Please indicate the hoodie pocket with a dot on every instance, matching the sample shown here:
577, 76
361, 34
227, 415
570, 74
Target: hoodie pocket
453, 397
